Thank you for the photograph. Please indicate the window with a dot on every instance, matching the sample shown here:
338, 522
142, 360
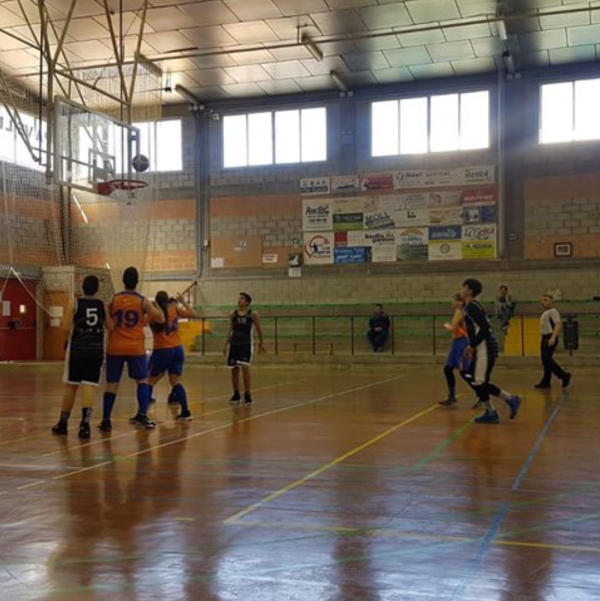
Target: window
413, 126
12, 147
161, 142
438, 123
279, 137
569, 111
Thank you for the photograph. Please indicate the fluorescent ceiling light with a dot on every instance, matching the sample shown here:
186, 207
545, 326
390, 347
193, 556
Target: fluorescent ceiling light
501, 25
312, 48
339, 82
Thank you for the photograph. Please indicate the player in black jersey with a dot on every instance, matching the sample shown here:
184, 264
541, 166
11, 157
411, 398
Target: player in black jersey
483, 351
239, 341
85, 355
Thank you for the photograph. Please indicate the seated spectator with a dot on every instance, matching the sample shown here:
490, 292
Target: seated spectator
379, 329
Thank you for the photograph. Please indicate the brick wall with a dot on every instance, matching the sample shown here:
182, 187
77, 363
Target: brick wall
562, 209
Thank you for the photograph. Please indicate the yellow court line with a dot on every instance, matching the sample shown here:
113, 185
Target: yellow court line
323, 468
391, 532
229, 424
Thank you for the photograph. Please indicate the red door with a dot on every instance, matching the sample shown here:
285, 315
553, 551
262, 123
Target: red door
17, 321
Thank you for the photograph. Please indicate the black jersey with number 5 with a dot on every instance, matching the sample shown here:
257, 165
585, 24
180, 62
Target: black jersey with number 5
87, 333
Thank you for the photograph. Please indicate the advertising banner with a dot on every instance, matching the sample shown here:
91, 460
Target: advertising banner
318, 248
316, 214
446, 216
348, 213
350, 254
345, 183
377, 181
315, 185
412, 244
479, 241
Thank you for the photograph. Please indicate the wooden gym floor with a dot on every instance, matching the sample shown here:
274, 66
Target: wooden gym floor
341, 484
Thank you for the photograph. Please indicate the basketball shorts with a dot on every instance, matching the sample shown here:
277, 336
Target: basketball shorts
168, 360
456, 359
482, 365
137, 367
80, 369
239, 354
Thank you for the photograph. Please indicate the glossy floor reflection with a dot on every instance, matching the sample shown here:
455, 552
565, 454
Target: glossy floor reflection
336, 485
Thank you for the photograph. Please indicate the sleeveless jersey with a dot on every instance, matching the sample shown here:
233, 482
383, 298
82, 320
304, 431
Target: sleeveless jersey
127, 311
166, 335
87, 332
241, 326
461, 329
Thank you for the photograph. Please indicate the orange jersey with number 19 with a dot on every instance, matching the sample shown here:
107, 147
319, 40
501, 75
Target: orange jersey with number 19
127, 312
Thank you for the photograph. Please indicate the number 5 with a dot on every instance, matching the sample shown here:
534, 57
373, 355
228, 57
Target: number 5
91, 316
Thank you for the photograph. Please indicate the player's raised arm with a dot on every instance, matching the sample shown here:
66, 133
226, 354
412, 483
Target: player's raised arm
186, 310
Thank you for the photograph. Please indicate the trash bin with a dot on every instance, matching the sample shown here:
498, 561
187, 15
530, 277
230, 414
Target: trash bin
571, 333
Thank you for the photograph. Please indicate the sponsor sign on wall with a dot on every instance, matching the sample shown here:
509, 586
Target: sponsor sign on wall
479, 241
437, 178
479, 196
318, 248
348, 214
345, 184
376, 181
412, 244
446, 216
316, 214
315, 185
473, 214
445, 243
351, 254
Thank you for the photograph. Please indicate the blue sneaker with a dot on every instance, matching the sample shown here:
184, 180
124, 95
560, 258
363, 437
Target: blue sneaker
489, 417
514, 403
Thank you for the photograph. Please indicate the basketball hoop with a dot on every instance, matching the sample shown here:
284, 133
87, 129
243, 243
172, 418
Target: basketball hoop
130, 186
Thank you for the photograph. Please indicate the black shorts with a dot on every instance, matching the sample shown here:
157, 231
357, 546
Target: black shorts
239, 354
82, 370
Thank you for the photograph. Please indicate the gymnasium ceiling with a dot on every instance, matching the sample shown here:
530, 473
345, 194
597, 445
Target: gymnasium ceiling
245, 48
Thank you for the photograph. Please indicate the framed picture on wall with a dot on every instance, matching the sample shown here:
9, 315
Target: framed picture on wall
563, 249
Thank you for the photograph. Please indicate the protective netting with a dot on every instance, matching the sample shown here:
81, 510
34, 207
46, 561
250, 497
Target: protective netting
111, 231
44, 221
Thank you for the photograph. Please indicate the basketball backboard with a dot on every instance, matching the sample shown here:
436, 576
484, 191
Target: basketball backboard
91, 147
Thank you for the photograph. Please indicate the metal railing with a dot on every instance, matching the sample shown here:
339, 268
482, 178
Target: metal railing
421, 334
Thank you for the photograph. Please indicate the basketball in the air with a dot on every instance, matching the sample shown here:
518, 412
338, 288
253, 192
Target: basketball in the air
140, 163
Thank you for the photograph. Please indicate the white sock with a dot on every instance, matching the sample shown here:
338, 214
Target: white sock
505, 396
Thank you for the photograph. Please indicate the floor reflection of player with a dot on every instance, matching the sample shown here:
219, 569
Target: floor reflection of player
72, 565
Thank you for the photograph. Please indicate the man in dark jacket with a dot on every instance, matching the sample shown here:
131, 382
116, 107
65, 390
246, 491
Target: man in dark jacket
379, 329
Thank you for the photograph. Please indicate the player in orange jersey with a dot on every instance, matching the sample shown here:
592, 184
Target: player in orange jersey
129, 311
168, 354
456, 358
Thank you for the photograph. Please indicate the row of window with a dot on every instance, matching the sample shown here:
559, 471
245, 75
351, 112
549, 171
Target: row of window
296, 136
160, 141
438, 123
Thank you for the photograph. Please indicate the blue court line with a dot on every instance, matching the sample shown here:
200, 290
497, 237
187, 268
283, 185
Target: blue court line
488, 539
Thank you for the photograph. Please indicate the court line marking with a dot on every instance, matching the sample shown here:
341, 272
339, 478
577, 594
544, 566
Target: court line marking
490, 535
301, 481
95, 442
393, 533
228, 425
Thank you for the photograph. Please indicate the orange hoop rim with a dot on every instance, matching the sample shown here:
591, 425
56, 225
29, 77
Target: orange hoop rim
127, 184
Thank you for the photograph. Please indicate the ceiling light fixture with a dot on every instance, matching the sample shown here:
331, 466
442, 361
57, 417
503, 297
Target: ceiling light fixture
501, 25
312, 48
185, 93
339, 82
